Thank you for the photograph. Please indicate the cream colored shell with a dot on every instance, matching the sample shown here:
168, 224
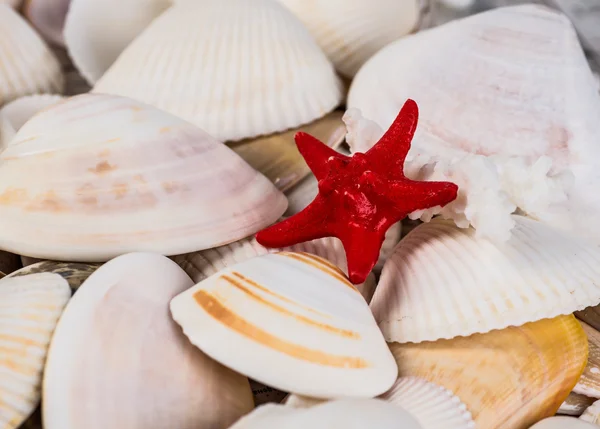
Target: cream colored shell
96, 32
113, 175
29, 310
28, 65
236, 68
442, 281
508, 112
307, 328
351, 32
561, 422
592, 414
508, 378
117, 360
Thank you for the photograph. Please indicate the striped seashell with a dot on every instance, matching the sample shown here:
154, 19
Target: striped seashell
29, 310
73, 272
116, 350
272, 79
307, 328
575, 404
28, 65
442, 281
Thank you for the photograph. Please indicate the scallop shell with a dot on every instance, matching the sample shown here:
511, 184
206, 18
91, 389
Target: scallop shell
433, 406
13, 115
344, 413
592, 413
48, 18
117, 351
74, 273
589, 383
508, 379
203, 264
114, 175
29, 67
277, 156
563, 423
351, 32
306, 327
261, 71
442, 281
575, 404
29, 309
93, 48
508, 112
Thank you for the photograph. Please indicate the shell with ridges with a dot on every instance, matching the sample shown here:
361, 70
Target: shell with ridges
29, 310
114, 175
258, 70
307, 328
116, 350
93, 48
442, 281
508, 112
508, 378
351, 32
28, 65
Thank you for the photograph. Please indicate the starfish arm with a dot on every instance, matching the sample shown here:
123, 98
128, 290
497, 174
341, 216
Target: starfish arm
388, 155
421, 195
318, 155
308, 224
362, 248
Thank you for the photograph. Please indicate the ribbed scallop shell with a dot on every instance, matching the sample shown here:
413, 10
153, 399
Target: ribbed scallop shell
306, 328
29, 310
589, 383
236, 68
96, 32
508, 111
28, 66
351, 32
113, 175
509, 378
442, 281
48, 18
14, 114
117, 360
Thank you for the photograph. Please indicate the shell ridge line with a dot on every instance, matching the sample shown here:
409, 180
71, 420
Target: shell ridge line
321, 267
212, 305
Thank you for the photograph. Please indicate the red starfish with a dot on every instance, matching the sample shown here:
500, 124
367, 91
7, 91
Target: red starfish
361, 196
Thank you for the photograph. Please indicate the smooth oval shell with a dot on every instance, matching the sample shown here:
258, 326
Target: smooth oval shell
29, 310
509, 378
97, 32
560, 422
117, 351
508, 112
272, 79
29, 66
48, 18
442, 281
114, 175
73, 272
307, 328
351, 32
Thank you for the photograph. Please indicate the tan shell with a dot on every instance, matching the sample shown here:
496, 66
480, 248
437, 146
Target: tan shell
589, 383
575, 404
508, 378
591, 316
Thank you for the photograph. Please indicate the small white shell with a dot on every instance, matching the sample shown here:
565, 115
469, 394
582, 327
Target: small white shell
29, 310
13, 115
304, 325
560, 422
28, 66
442, 281
96, 32
236, 68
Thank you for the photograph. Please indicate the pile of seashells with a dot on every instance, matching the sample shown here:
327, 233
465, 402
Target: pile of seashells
145, 143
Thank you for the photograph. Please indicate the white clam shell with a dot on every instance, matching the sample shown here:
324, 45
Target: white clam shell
561, 422
29, 310
236, 68
442, 281
29, 67
592, 414
113, 175
96, 32
343, 413
351, 32
308, 330
14, 114
508, 112
117, 351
